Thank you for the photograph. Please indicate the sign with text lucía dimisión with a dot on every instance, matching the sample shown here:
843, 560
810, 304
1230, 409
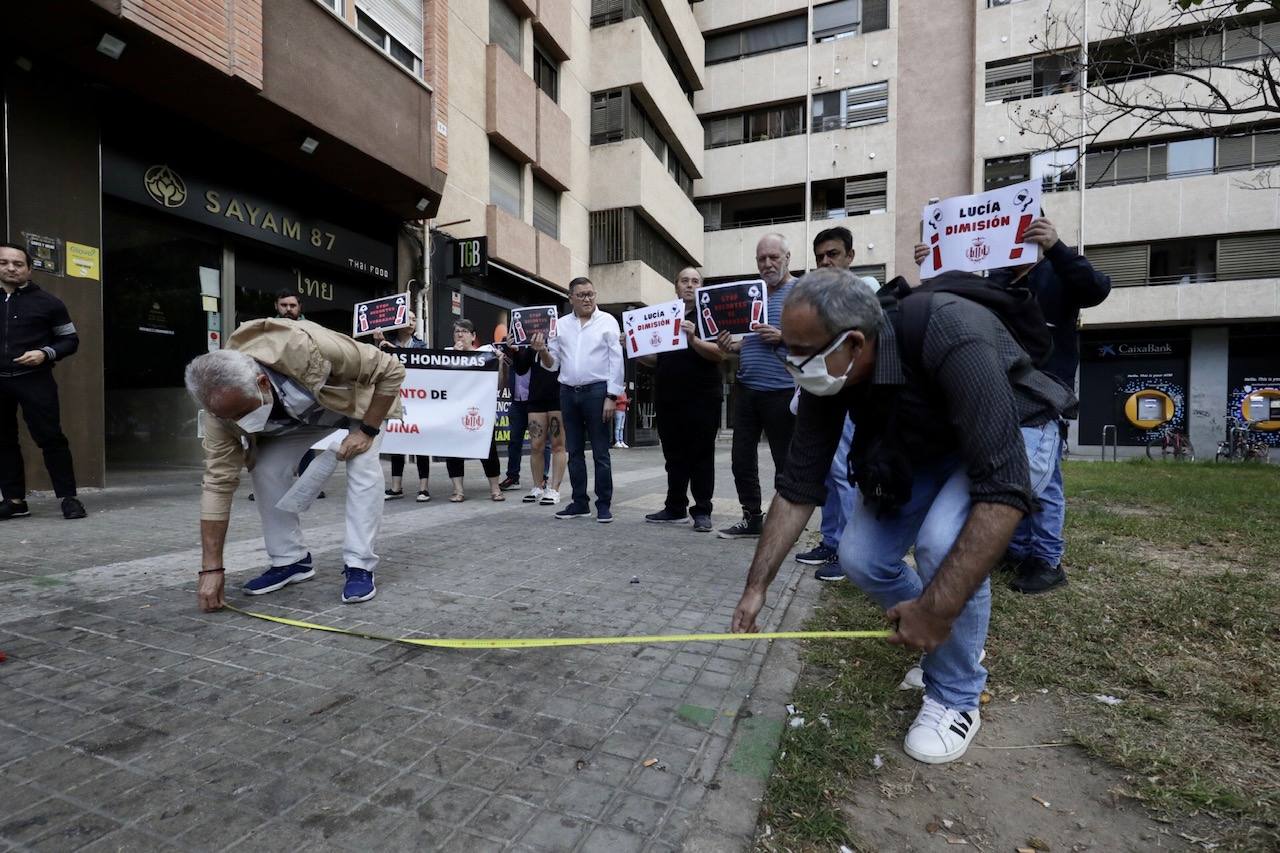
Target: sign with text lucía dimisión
169, 187
981, 232
654, 329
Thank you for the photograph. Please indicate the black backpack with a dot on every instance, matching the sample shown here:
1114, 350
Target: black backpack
908, 308
878, 463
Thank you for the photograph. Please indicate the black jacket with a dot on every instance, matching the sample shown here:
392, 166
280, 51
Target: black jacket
34, 319
544, 385
1063, 283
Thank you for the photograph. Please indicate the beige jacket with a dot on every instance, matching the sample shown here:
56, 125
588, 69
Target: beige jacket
342, 373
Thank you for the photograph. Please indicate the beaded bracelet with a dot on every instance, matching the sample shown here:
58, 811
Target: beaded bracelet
211, 571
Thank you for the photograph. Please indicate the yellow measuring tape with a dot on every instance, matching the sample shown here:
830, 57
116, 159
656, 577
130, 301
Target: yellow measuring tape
543, 642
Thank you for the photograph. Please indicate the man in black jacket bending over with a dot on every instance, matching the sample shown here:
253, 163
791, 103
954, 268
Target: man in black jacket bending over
1063, 282
36, 332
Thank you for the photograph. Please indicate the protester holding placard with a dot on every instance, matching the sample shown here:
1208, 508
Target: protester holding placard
587, 350
1064, 282
546, 428
763, 397
686, 401
278, 388
464, 340
405, 339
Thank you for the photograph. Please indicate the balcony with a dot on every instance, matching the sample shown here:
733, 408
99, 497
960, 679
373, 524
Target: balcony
510, 106
554, 23
554, 138
510, 240
628, 174
553, 260
1214, 301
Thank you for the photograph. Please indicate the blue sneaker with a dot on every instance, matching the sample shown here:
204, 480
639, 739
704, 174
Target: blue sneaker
278, 577
819, 556
830, 571
359, 585
603, 514
573, 511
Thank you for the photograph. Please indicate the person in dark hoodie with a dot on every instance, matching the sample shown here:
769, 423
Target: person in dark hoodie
1064, 282
37, 332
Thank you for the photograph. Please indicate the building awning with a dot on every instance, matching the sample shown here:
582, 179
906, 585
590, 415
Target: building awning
560, 295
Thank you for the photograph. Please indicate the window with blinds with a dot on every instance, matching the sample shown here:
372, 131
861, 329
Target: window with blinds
753, 125
755, 39
395, 27
506, 31
608, 116
1002, 171
623, 234
869, 194
506, 183
865, 105
546, 209
1252, 256
848, 18
1127, 265
546, 73
1009, 81
876, 271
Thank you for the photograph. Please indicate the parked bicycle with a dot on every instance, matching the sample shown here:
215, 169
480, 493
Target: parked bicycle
1243, 445
1172, 444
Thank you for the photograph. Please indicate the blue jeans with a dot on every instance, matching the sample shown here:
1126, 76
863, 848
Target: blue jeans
835, 512
519, 421
1040, 535
583, 409
872, 551
619, 427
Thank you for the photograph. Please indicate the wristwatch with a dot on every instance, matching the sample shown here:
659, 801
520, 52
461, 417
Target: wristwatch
372, 432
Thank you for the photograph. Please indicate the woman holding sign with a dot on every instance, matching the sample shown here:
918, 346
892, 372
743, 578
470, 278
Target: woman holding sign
464, 340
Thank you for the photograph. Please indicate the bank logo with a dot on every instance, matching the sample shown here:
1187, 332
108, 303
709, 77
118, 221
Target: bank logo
472, 420
165, 186
1106, 350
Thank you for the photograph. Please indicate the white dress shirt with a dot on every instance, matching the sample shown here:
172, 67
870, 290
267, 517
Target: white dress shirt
587, 352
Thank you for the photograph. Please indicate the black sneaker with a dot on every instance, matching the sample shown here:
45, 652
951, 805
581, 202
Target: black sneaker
1009, 563
666, 516
702, 524
509, 483
72, 508
573, 511
14, 509
1035, 576
392, 494
830, 571
750, 526
819, 556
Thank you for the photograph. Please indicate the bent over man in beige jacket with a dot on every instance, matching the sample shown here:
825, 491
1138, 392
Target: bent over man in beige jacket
277, 388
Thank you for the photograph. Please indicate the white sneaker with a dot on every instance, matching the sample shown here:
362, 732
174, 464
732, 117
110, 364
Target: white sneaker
622, 445
914, 679
940, 734
550, 497
533, 496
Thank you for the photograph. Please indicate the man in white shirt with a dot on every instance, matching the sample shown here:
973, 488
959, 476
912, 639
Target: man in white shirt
587, 350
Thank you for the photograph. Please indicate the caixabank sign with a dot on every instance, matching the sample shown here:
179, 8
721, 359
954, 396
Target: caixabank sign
169, 187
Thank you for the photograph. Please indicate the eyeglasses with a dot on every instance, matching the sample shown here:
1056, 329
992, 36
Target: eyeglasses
583, 296
797, 367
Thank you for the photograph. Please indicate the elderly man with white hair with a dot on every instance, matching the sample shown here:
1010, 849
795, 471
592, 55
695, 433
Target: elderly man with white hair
279, 387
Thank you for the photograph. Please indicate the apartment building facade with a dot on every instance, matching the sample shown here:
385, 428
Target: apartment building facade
856, 112
172, 165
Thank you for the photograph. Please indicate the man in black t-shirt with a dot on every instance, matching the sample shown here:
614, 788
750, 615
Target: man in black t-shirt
687, 403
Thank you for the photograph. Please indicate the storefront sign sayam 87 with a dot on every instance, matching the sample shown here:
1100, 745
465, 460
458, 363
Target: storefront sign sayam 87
176, 190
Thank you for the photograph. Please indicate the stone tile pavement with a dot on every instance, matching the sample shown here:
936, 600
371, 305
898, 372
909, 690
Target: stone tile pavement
130, 721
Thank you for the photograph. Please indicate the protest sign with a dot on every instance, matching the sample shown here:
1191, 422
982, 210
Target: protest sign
654, 329
737, 307
380, 315
450, 403
981, 232
527, 322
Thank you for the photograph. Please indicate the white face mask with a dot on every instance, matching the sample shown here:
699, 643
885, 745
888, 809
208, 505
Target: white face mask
810, 372
256, 421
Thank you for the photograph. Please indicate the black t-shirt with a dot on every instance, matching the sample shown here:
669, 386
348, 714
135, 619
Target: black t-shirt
683, 374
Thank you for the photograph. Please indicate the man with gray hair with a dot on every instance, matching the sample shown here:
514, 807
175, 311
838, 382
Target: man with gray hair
278, 388
956, 433
762, 400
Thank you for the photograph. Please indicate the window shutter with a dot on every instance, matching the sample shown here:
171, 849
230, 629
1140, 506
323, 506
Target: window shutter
606, 12
1131, 165
506, 184
1006, 170
1235, 152
1100, 168
875, 15
710, 211
866, 104
504, 30
1127, 265
1266, 148
1270, 39
1242, 44
831, 19
1248, 257
546, 210
876, 271
1010, 81
774, 35
865, 195
401, 18
606, 117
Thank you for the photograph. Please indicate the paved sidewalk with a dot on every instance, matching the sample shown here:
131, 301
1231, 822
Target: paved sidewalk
130, 721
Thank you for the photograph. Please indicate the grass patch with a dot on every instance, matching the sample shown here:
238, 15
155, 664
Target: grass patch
1173, 606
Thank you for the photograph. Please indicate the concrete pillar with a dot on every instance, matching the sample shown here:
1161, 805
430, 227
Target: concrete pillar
1209, 391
